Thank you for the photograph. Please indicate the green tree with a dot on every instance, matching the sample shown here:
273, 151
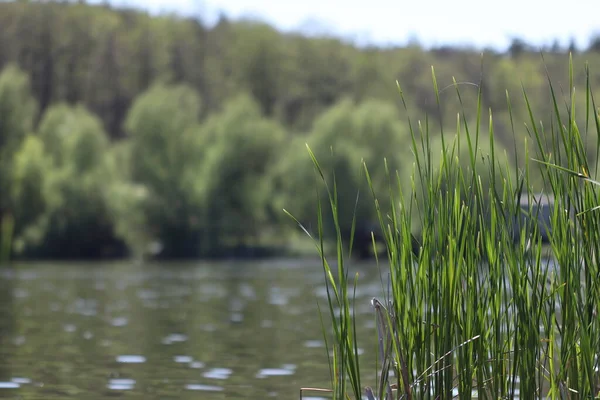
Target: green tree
341, 139
370, 77
259, 58
79, 224
31, 194
165, 159
17, 113
126, 201
242, 147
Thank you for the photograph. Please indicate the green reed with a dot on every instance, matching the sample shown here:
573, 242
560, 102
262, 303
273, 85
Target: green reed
476, 313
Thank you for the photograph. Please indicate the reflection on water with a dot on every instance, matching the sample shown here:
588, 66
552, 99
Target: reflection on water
131, 359
121, 384
248, 331
8, 336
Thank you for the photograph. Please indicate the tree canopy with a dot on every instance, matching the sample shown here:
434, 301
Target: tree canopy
122, 132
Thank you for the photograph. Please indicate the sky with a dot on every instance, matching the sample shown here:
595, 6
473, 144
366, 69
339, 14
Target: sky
395, 22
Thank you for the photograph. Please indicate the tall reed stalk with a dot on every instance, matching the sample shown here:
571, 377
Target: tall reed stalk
474, 313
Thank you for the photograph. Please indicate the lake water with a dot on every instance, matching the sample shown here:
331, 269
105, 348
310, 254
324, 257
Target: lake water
169, 331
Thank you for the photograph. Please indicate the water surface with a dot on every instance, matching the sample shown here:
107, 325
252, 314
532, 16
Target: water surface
167, 331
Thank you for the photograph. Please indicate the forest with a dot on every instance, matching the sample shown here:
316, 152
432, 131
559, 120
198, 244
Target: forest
127, 134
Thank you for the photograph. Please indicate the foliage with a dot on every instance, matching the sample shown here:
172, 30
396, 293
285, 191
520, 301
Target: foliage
342, 137
156, 90
17, 113
106, 57
31, 192
166, 154
125, 200
75, 221
476, 312
242, 146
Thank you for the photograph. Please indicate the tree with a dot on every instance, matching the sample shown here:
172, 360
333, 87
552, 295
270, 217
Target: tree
242, 147
31, 195
17, 113
370, 79
105, 91
78, 222
165, 159
260, 60
594, 45
342, 138
518, 47
573, 46
126, 201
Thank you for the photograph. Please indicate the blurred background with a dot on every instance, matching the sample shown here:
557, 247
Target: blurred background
148, 149
151, 129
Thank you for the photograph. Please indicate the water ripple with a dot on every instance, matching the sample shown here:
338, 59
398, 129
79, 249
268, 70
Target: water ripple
121, 384
9, 385
203, 388
131, 359
174, 338
218, 373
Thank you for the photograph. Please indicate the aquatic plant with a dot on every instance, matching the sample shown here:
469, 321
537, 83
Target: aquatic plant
477, 313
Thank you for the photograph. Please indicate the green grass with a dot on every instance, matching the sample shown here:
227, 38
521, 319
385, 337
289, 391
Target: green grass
474, 311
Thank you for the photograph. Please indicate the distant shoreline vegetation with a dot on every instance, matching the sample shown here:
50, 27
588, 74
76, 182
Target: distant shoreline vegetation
125, 135
474, 314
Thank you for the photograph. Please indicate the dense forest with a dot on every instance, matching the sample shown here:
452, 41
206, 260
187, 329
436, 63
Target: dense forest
123, 133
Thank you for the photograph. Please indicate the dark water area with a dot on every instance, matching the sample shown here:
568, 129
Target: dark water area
169, 331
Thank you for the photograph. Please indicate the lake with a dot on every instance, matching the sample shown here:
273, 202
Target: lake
169, 331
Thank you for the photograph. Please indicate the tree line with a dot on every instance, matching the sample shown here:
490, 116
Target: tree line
125, 133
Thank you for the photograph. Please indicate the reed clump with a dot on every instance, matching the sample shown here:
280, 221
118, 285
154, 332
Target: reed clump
477, 313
